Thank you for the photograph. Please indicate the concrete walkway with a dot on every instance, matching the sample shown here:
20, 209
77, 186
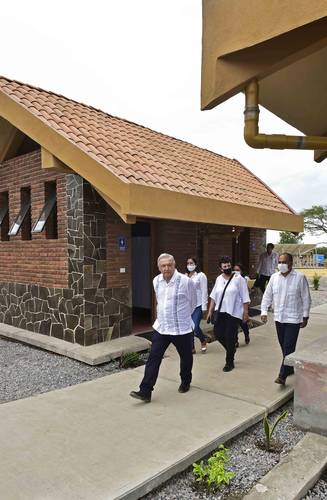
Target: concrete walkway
93, 441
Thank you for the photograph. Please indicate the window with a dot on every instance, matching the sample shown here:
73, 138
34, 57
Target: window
4, 215
23, 219
48, 216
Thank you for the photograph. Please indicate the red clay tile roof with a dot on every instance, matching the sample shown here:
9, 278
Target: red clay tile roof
139, 155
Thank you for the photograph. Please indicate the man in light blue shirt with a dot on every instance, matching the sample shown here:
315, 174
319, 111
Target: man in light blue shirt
176, 301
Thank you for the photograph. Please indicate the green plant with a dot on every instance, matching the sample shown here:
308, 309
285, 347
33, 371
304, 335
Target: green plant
316, 281
214, 474
130, 360
270, 429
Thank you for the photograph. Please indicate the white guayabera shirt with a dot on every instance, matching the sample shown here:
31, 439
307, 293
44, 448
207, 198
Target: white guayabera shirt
201, 284
290, 296
267, 263
176, 300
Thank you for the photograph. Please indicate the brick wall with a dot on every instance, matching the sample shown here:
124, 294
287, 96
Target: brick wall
39, 260
177, 238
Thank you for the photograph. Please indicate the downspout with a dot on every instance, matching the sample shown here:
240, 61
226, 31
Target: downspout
273, 141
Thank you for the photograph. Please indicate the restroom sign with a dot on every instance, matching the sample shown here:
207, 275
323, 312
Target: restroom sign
122, 244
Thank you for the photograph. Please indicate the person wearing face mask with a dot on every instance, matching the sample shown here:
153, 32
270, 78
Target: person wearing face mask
229, 304
201, 285
288, 291
239, 270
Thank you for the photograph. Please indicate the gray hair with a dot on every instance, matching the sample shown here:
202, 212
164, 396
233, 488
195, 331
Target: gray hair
165, 256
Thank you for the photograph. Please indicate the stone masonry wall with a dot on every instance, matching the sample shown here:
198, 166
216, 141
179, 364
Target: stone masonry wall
80, 308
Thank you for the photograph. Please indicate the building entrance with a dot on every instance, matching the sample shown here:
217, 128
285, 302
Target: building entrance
141, 277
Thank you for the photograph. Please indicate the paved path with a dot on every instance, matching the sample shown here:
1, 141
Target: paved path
93, 441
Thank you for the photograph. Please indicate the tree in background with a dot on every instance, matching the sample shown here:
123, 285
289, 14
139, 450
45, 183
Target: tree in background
315, 219
286, 237
322, 251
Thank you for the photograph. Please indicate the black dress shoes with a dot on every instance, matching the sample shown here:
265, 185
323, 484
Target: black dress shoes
141, 396
184, 388
228, 367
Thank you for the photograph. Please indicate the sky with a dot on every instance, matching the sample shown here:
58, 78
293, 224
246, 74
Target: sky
141, 60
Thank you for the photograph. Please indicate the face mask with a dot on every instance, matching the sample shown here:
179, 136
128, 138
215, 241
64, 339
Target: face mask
237, 273
283, 268
228, 270
191, 267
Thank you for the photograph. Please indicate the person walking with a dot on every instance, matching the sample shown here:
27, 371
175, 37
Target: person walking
268, 262
201, 284
288, 291
229, 304
176, 301
239, 270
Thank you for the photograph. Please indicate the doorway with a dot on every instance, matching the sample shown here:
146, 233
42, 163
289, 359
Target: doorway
141, 277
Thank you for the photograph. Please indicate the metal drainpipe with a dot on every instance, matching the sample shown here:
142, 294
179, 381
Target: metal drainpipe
273, 141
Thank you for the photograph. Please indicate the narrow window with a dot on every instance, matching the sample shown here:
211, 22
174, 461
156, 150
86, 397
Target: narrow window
23, 219
4, 215
48, 216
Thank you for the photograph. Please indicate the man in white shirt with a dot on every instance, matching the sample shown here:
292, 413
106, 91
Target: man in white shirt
289, 293
268, 262
176, 301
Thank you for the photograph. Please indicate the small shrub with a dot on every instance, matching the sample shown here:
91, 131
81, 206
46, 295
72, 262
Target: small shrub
316, 281
213, 474
130, 360
270, 429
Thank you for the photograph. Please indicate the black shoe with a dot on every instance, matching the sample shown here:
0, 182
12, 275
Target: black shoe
280, 381
228, 368
247, 339
140, 395
184, 388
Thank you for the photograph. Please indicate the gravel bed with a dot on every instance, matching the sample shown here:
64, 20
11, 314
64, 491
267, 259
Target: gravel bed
27, 371
319, 296
249, 463
319, 491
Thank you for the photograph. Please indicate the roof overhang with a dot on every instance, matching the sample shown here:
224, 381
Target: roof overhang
135, 200
281, 44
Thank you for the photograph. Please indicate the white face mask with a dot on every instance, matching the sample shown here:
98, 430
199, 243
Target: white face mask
237, 272
191, 267
283, 268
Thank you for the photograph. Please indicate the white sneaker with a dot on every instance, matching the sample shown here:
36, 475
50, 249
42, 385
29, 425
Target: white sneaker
204, 347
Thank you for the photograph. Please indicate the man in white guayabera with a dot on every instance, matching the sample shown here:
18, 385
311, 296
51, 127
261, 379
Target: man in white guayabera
176, 301
289, 293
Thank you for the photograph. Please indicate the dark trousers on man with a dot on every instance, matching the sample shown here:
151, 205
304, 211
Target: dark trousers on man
226, 329
262, 281
287, 337
160, 343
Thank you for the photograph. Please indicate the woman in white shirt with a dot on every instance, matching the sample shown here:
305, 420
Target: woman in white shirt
230, 301
201, 285
239, 269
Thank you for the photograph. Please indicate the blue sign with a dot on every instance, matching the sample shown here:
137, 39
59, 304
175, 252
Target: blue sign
319, 259
122, 244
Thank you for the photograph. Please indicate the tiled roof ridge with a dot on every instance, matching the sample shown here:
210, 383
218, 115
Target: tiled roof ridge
33, 87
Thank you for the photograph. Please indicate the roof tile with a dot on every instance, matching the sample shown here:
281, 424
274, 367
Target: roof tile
137, 154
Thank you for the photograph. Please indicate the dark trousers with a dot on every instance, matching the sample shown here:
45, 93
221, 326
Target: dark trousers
287, 337
160, 343
196, 317
245, 328
262, 280
226, 328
